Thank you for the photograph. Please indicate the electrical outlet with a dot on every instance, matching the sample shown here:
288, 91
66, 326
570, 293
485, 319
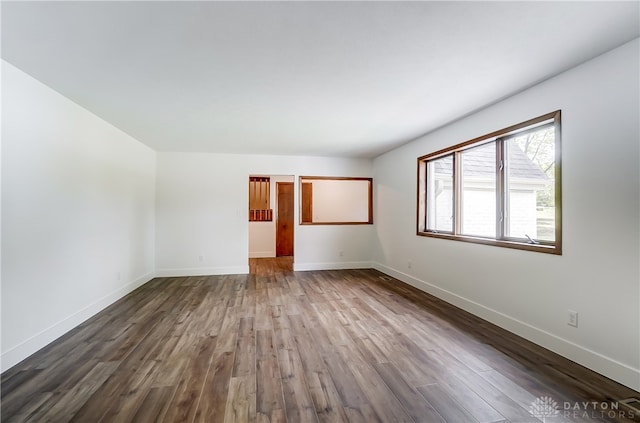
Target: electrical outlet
572, 318
118, 276
340, 253
200, 258
409, 264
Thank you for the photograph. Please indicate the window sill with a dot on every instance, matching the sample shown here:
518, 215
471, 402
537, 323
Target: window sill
539, 248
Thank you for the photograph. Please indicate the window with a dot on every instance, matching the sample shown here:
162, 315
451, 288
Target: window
259, 199
501, 189
333, 200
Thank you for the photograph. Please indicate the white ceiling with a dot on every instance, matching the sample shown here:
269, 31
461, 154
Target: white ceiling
348, 79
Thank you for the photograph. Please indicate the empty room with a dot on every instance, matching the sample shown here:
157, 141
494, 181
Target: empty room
320, 211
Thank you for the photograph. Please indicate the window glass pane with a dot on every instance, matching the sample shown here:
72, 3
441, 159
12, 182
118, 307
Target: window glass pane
478, 196
440, 194
530, 185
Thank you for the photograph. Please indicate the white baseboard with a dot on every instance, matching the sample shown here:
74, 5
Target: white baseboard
332, 266
262, 254
595, 361
202, 271
23, 350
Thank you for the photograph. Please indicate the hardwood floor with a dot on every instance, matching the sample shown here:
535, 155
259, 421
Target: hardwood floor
269, 266
325, 346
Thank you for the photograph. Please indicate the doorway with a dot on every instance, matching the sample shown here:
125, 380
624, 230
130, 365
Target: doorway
271, 222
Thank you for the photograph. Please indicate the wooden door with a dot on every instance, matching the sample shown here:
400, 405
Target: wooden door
284, 223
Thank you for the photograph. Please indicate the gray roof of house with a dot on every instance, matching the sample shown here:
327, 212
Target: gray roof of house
480, 161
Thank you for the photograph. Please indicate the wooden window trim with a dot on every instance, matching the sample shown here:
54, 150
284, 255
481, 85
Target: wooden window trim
369, 221
500, 136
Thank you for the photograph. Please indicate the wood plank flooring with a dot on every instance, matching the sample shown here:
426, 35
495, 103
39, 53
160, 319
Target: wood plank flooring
282, 346
269, 266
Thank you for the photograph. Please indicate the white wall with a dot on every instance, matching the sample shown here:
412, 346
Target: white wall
529, 293
262, 239
262, 235
340, 200
77, 215
202, 219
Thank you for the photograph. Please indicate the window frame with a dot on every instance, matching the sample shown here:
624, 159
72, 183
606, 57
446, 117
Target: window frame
499, 137
302, 205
